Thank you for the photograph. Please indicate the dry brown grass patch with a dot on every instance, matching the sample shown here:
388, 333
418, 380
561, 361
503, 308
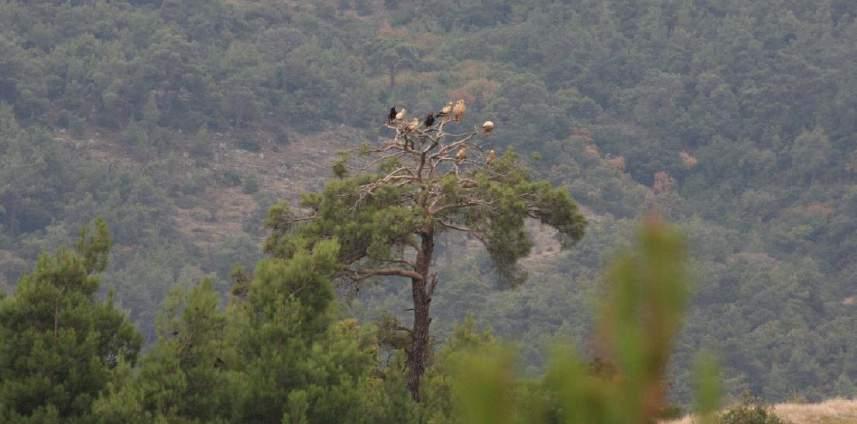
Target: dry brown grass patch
833, 411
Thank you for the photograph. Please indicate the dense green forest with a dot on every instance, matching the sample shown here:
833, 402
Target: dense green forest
277, 353
182, 122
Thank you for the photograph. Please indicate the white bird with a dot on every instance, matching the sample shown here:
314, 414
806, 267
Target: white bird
458, 110
446, 110
492, 156
413, 125
461, 155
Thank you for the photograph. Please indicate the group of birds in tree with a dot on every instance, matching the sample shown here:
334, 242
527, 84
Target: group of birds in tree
454, 111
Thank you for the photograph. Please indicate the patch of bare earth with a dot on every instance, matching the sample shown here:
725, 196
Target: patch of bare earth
304, 164
228, 209
546, 245
834, 411
283, 170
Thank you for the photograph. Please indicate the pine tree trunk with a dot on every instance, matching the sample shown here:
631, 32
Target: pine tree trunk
419, 350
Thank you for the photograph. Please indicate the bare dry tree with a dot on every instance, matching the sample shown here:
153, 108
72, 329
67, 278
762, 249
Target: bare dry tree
389, 202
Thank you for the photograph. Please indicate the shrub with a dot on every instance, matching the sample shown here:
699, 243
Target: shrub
251, 185
750, 412
231, 178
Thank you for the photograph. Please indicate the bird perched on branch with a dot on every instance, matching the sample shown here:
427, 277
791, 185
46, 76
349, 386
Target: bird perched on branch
491, 157
429, 120
400, 115
446, 110
458, 110
461, 155
487, 127
413, 125
392, 116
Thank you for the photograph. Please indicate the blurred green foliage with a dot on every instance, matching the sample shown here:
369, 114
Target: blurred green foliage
640, 315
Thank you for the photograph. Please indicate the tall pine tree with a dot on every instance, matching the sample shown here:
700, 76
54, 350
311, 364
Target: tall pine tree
58, 341
387, 213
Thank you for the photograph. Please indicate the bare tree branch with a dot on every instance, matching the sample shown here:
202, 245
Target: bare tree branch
362, 274
463, 229
399, 262
464, 205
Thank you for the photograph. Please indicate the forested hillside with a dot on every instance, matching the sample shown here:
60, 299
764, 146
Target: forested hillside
180, 122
